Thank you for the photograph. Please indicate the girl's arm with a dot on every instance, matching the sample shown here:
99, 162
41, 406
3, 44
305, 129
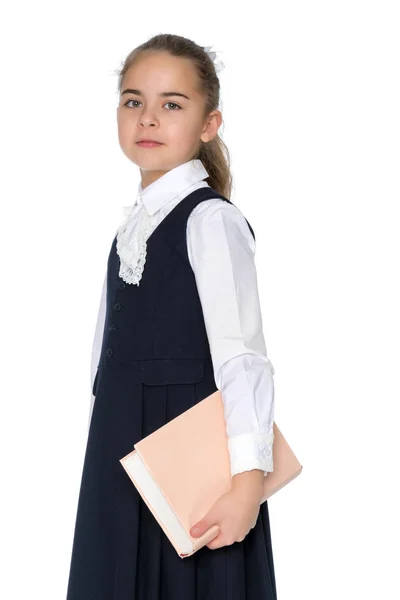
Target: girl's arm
97, 342
221, 251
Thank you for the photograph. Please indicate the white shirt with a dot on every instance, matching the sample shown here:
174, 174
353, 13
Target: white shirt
221, 252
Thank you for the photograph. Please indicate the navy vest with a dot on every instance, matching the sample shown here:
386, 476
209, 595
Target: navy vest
162, 317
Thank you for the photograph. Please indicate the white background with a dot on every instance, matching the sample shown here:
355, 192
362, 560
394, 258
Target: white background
310, 99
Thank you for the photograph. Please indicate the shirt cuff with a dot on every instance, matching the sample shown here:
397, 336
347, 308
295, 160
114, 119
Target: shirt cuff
250, 451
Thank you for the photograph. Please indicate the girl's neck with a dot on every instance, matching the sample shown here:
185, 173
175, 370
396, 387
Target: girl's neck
149, 177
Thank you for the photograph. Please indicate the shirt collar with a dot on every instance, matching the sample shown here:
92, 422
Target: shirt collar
171, 184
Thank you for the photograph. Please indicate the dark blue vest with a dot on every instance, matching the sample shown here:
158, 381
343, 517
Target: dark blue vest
162, 317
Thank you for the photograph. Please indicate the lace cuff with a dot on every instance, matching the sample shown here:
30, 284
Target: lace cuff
249, 451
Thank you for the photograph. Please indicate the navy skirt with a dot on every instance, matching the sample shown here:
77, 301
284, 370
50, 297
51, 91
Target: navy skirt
119, 550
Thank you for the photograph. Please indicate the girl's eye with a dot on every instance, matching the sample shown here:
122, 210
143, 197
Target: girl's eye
173, 104
126, 103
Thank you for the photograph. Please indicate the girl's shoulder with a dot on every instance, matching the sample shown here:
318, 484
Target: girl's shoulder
221, 217
214, 208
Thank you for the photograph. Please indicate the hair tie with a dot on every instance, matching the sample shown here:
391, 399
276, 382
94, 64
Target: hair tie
218, 64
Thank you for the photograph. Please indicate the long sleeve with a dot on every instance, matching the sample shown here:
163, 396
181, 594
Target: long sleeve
97, 343
221, 251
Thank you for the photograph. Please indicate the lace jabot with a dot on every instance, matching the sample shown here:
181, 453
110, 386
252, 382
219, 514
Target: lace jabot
132, 242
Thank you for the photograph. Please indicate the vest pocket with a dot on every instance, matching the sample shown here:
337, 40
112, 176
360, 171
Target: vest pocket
164, 371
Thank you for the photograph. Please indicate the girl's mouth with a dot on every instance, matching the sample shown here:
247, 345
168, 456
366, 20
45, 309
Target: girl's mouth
148, 144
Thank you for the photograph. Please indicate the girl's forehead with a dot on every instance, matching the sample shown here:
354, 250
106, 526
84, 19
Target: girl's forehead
163, 83
162, 68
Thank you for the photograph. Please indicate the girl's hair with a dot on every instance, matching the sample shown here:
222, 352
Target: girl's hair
214, 154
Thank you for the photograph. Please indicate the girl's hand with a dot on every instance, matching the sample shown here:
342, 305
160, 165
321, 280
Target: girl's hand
235, 513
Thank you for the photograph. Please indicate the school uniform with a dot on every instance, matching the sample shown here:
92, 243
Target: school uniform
179, 318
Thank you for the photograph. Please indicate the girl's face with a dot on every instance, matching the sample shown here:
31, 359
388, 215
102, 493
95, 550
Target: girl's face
160, 100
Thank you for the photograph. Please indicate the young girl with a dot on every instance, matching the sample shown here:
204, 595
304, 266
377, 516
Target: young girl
179, 317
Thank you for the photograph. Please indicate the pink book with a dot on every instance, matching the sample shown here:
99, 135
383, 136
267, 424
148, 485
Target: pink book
181, 469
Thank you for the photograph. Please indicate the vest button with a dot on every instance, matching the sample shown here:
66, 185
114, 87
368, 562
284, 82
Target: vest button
117, 306
109, 352
121, 285
112, 327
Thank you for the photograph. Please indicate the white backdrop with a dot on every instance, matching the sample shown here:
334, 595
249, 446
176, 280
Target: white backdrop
310, 99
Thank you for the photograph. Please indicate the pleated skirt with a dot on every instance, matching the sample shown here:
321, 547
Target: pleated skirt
119, 550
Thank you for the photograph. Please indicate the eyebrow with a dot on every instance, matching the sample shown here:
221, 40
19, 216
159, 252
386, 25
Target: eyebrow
162, 94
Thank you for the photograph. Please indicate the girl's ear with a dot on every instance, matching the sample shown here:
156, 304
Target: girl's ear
213, 123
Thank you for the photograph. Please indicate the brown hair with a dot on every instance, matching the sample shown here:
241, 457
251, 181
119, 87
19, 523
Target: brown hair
214, 154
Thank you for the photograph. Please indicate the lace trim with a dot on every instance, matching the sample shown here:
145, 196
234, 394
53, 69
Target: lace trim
132, 251
254, 443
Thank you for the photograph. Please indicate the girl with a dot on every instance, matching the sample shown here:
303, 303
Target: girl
179, 317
